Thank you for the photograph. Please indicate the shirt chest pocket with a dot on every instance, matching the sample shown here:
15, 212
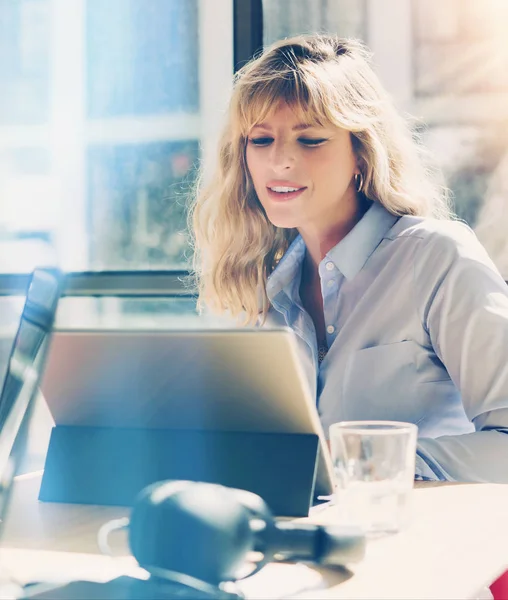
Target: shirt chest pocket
381, 382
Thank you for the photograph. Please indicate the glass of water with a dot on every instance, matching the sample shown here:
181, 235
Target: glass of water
374, 463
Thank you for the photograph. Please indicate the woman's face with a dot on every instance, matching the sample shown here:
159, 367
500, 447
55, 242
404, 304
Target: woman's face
303, 175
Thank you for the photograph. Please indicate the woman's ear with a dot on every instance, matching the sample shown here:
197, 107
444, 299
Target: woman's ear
357, 149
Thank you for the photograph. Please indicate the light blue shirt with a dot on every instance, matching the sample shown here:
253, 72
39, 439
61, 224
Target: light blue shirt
417, 329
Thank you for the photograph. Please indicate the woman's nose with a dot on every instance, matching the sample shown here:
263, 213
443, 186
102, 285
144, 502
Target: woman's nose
282, 156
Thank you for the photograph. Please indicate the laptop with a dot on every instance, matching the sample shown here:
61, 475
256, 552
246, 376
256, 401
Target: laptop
22, 374
178, 383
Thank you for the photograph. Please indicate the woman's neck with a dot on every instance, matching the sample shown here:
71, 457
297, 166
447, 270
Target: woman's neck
319, 241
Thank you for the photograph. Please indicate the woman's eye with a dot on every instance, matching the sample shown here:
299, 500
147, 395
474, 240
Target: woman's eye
261, 141
266, 141
311, 141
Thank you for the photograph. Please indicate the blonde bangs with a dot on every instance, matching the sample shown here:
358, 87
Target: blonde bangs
301, 89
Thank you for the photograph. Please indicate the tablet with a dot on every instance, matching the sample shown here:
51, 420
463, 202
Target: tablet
212, 379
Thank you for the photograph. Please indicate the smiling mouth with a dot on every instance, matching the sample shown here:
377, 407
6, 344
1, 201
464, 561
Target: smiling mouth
280, 192
281, 189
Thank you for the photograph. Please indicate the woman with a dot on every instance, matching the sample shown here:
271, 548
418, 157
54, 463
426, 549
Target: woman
322, 217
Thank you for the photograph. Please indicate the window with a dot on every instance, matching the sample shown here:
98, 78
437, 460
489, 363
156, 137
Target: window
106, 110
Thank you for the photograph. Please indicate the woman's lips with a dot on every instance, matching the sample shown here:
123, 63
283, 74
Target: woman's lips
283, 196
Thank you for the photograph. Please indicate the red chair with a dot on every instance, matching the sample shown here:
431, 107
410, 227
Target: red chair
499, 588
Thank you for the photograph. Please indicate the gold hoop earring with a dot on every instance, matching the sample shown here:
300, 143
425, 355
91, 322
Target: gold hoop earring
359, 182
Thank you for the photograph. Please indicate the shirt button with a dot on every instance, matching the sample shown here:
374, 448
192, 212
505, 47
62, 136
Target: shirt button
330, 329
329, 266
330, 283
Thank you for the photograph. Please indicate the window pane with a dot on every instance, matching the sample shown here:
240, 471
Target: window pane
446, 63
106, 108
142, 58
137, 197
24, 61
284, 18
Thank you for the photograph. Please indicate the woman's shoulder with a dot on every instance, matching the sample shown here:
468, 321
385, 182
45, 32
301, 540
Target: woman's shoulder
440, 237
439, 243
430, 230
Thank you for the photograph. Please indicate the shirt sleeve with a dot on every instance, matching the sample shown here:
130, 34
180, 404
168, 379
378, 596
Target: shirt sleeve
464, 309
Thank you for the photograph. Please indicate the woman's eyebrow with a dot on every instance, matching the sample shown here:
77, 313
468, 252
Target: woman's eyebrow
298, 127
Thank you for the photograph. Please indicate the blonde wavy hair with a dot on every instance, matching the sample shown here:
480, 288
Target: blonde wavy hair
329, 80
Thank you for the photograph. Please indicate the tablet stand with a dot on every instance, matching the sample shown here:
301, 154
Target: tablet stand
106, 465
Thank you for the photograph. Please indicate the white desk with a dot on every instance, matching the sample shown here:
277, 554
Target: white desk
457, 544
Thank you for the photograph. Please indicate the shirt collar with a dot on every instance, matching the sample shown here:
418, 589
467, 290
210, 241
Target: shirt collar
352, 252
349, 255
287, 269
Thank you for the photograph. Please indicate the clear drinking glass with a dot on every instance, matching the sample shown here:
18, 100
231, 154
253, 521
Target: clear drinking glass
374, 462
